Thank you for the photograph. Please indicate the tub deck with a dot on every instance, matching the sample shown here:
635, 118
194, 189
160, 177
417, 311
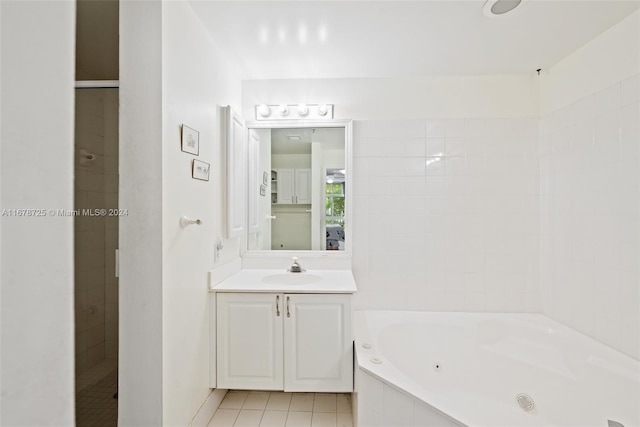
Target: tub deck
469, 369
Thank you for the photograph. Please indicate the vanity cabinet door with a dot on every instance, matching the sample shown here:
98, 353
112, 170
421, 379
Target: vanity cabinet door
249, 333
318, 343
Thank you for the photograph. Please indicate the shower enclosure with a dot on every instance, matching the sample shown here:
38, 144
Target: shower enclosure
96, 241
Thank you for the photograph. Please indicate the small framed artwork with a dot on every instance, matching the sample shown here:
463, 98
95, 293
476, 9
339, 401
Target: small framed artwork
265, 177
200, 170
190, 140
263, 190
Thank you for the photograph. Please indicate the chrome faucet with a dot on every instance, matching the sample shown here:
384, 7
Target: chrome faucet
295, 267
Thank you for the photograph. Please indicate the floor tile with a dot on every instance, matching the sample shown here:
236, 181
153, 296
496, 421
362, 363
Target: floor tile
234, 399
279, 401
343, 403
274, 419
345, 420
324, 402
224, 418
299, 419
256, 400
302, 402
249, 418
323, 419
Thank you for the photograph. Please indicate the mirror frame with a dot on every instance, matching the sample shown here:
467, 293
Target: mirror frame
347, 124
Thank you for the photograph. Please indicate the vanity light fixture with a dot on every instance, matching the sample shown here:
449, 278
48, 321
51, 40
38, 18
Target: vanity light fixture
294, 111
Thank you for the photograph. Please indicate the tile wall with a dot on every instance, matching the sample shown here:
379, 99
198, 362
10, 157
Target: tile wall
590, 202
446, 214
95, 236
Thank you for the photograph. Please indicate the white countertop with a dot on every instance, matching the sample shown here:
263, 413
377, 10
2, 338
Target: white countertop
309, 282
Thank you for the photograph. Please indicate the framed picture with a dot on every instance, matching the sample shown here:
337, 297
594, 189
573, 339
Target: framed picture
190, 140
263, 190
265, 177
200, 170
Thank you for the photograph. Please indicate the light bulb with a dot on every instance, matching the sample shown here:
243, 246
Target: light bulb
264, 110
322, 110
283, 109
303, 110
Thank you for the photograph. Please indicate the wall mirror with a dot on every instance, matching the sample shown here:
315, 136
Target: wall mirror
299, 186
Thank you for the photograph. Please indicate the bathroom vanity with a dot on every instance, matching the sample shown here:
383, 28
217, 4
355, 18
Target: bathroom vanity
276, 330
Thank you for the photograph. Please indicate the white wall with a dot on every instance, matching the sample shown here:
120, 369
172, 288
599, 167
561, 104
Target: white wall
164, 369
190, 95
604, 61
590, 252
140, 234
37, 252
402, 98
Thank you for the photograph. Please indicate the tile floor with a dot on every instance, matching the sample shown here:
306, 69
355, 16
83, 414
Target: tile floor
277, 409
95, 405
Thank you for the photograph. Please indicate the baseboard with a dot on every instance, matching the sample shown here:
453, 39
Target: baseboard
208, 408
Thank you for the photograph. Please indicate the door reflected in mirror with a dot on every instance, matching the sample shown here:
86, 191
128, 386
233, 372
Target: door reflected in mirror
301, 190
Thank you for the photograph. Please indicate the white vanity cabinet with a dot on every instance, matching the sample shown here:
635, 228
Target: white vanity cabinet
284, 341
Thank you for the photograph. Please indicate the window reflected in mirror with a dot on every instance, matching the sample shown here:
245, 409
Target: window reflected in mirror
334, 209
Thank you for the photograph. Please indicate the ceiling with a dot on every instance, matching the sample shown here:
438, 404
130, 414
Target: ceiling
281, 143
344, 39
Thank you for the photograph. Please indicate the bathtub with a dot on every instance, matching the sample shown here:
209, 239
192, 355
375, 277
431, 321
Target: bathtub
485, 369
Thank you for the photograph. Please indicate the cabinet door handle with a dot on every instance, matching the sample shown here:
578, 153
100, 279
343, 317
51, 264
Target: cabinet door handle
288, 313
278, 305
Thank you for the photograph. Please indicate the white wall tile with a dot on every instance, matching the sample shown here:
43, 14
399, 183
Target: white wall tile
630, 90
607, 100
421, 206
589, 219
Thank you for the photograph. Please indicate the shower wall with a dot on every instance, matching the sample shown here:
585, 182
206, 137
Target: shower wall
589, 213
590, 188
446, 214
96, 187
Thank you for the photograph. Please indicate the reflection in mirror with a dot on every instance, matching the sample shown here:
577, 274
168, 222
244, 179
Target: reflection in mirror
301, 199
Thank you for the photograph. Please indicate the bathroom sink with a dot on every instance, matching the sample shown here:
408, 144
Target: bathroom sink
291, 279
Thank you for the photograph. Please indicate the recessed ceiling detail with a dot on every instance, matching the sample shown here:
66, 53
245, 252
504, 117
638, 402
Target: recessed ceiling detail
493, 8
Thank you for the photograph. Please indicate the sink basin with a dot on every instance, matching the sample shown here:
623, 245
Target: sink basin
291, 279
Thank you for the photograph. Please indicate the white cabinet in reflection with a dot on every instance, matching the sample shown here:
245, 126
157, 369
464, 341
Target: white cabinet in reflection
290, 342
294, 186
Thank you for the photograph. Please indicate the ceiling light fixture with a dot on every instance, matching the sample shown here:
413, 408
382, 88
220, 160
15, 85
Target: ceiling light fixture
495, 8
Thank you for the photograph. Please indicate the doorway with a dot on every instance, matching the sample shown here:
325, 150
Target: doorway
96, 241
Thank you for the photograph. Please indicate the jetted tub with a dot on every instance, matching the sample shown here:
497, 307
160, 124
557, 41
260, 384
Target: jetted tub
485, 369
